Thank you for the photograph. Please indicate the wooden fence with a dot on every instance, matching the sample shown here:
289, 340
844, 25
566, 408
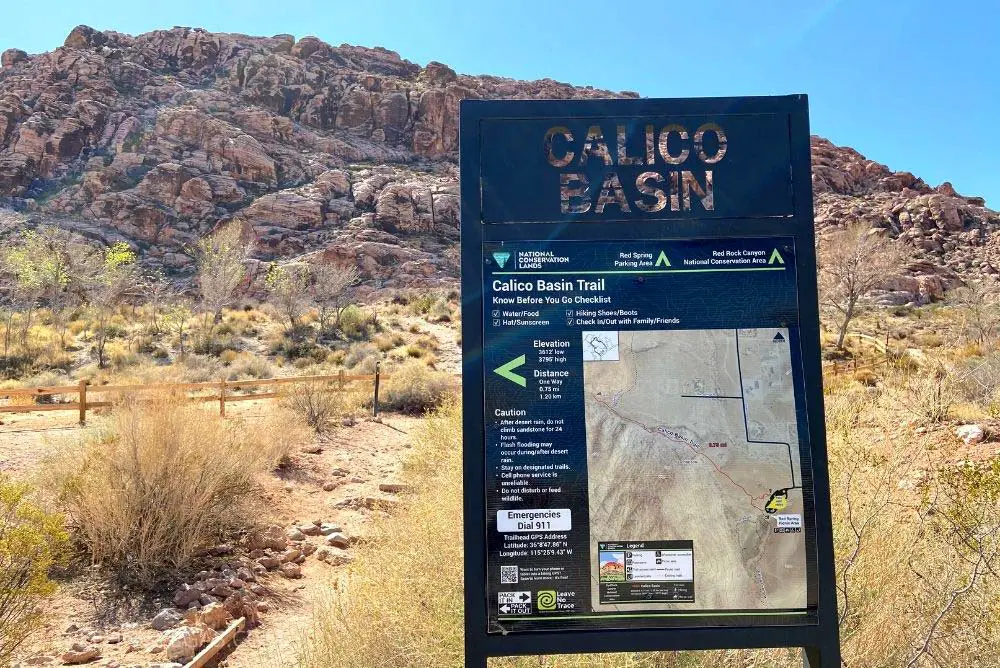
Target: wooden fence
222, 391
850, 366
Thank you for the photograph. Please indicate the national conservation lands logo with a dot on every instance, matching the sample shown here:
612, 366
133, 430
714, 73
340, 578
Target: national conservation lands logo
501, 257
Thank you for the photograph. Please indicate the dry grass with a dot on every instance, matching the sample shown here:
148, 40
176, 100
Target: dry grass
369, 619
321, 405
161, 481
413, 387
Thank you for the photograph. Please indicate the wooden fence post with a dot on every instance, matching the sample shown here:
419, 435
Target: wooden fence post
375, 399
83, 402
340, 380
222, 398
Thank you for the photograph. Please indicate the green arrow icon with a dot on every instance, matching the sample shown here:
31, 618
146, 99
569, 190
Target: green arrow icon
776, 257
507, 371
662, 259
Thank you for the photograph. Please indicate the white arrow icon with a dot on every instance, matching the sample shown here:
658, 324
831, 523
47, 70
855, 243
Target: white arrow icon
505, 609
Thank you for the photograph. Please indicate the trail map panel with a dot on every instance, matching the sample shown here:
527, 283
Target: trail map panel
645, 434
695, 430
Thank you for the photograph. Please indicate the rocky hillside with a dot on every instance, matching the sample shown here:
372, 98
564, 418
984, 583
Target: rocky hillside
349, 151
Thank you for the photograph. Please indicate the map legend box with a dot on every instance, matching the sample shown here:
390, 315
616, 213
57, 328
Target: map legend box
646, 572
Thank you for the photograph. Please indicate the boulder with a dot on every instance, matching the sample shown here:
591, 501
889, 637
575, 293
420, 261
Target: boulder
12, 57
338, 540
272, 538
186, 595
970, 434
183, 643
291, 570
80, 653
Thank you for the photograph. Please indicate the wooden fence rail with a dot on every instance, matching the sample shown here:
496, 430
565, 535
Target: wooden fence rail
222, 392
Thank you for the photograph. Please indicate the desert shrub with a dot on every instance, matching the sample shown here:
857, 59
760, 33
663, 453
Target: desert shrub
930, 340
228, 357
159, 482
115, 331
866, 377
421, 304
355, 324
414, 388
978, 381
901, 360
969, 349
31, 542
225, 329
285, 431
386, 342
926, 396
250, 366
200, 369
440, 311
297, 345
119, 356
361, 357
322, 404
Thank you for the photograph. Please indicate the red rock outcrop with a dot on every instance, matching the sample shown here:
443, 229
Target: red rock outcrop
343, 150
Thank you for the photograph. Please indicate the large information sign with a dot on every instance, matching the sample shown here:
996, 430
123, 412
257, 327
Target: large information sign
644, 443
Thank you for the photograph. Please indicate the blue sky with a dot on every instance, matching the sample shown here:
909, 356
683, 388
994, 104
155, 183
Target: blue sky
914, 84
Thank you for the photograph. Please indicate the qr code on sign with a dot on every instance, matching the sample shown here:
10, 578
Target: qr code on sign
508, 575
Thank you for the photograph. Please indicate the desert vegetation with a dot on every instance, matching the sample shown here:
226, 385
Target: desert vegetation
75, 310
159, 493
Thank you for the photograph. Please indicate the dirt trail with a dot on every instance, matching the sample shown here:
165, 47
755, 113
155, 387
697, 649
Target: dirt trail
26, 439
372, 453
449, 353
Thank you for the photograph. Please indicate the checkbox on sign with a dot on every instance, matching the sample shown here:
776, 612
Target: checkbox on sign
496, 323
496, 314
569, 321
569, 313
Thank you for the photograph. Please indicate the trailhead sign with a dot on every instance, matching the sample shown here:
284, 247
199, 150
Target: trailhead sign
645, 463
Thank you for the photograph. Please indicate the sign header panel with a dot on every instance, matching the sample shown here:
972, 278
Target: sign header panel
644, 440
650, 167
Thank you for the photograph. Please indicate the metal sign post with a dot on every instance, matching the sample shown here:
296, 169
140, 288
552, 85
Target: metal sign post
644, 446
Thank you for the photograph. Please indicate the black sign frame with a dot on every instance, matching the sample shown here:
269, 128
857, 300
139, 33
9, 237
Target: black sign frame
820, 641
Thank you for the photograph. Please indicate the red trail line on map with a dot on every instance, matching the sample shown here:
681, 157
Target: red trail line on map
693, 449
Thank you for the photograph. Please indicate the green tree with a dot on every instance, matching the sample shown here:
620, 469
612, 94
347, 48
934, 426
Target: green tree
48, 267
20, 261
108, 285
221, 260
332, 291
176, 315
288, 288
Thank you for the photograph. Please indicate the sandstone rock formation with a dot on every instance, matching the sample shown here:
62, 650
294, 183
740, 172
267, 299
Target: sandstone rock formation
341, 150
950, 238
